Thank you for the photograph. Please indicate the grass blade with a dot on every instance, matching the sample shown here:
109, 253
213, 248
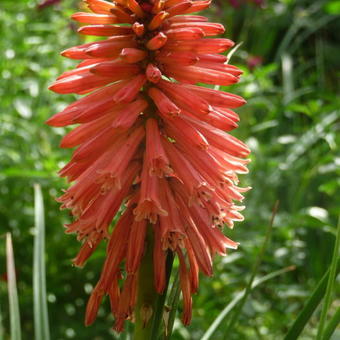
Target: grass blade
310, 138
207, 335
173, 305
332, 325
159, 307
297, 25
1, 327
311, 304
254, 271
41, 324
317, 25
12, 291
330, 284
229, 55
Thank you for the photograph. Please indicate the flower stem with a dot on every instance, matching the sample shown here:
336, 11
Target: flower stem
150, 304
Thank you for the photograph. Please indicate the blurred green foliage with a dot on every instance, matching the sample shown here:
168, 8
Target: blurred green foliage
290, 58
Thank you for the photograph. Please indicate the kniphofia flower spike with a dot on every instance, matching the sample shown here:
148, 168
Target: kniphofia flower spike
152, 147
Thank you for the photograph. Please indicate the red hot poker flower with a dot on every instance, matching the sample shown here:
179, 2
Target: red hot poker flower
151, 144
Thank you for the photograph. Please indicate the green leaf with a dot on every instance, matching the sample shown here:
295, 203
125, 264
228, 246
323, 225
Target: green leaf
309, 138
332, 325
213, 327
173, 301
159, 306
14, 313
311, 305
254, 271
1, 326
41, 324
333, 7
330, 285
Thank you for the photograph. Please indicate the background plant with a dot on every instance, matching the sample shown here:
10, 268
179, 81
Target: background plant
289, 56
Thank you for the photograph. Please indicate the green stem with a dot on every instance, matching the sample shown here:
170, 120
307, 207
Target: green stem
150, 304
